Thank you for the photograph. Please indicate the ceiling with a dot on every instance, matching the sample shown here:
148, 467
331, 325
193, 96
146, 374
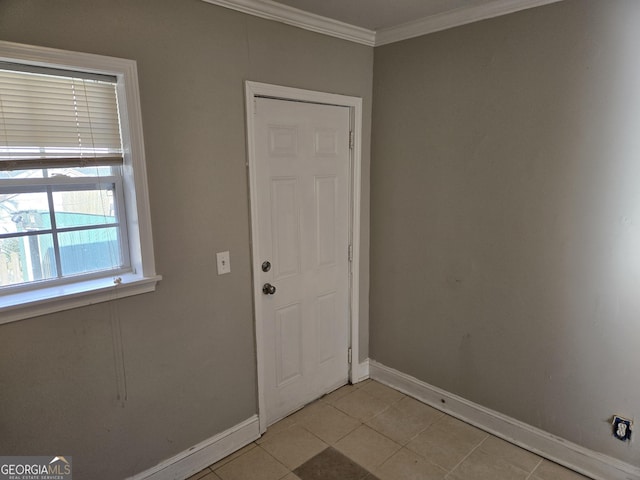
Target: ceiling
378, 22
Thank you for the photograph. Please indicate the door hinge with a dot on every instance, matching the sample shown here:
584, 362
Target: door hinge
350, 253
351, 140
255, 106
349, 355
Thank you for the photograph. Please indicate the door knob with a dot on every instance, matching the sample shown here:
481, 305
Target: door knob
268, 289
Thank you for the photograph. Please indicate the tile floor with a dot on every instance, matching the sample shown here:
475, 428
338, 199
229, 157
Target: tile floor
372, 432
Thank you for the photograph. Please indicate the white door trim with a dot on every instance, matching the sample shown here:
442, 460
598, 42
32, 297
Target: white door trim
256, 89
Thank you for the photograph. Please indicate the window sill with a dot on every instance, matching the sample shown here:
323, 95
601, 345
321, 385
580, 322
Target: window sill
18, 306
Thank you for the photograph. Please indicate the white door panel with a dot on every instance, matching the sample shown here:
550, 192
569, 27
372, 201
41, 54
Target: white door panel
302, 182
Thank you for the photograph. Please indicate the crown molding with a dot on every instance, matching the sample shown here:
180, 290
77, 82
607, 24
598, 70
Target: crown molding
454, 18
299, 18
316, 23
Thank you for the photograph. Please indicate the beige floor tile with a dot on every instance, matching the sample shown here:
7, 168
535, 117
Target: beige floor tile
552, 471
200, 474
447, 441
406, 465
210, 476
361, 405
276, 428
294, 446
327, 422
435, 443
291, 476
382, 392
399, 425
303, 412
510, 453
256, 464
296, 417
482, 466
418, 409
233, 456
367, 447
333, 397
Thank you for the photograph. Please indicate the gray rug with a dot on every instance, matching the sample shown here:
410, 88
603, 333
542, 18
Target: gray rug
332, 465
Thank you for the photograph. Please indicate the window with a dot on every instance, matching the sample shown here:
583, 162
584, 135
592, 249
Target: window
74, 216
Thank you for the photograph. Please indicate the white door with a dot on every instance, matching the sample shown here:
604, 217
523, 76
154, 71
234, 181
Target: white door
302, 169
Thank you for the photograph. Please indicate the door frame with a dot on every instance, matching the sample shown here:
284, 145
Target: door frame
257, 89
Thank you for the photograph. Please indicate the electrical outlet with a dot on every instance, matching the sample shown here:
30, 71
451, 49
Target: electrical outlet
621, 428
224, 264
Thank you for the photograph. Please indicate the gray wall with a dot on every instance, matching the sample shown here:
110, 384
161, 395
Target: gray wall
505, 231
189, 347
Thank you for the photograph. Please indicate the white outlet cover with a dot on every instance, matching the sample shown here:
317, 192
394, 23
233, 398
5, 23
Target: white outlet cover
224, 263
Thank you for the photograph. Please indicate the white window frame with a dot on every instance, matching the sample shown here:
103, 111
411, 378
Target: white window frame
42, 300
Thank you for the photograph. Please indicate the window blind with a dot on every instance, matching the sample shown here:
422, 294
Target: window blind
53, 120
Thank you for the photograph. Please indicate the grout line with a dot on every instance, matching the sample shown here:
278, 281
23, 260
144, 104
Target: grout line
467, 456
393, 454
439, 416
204, 471
303, 427
428, 427
366, 419
534, 469
268, 453
287, 474
227, 460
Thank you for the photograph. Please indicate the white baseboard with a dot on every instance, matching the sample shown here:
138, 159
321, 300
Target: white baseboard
200, 456
360, 371
592, 464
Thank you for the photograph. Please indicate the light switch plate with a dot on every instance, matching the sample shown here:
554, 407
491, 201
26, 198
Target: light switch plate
224, 264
